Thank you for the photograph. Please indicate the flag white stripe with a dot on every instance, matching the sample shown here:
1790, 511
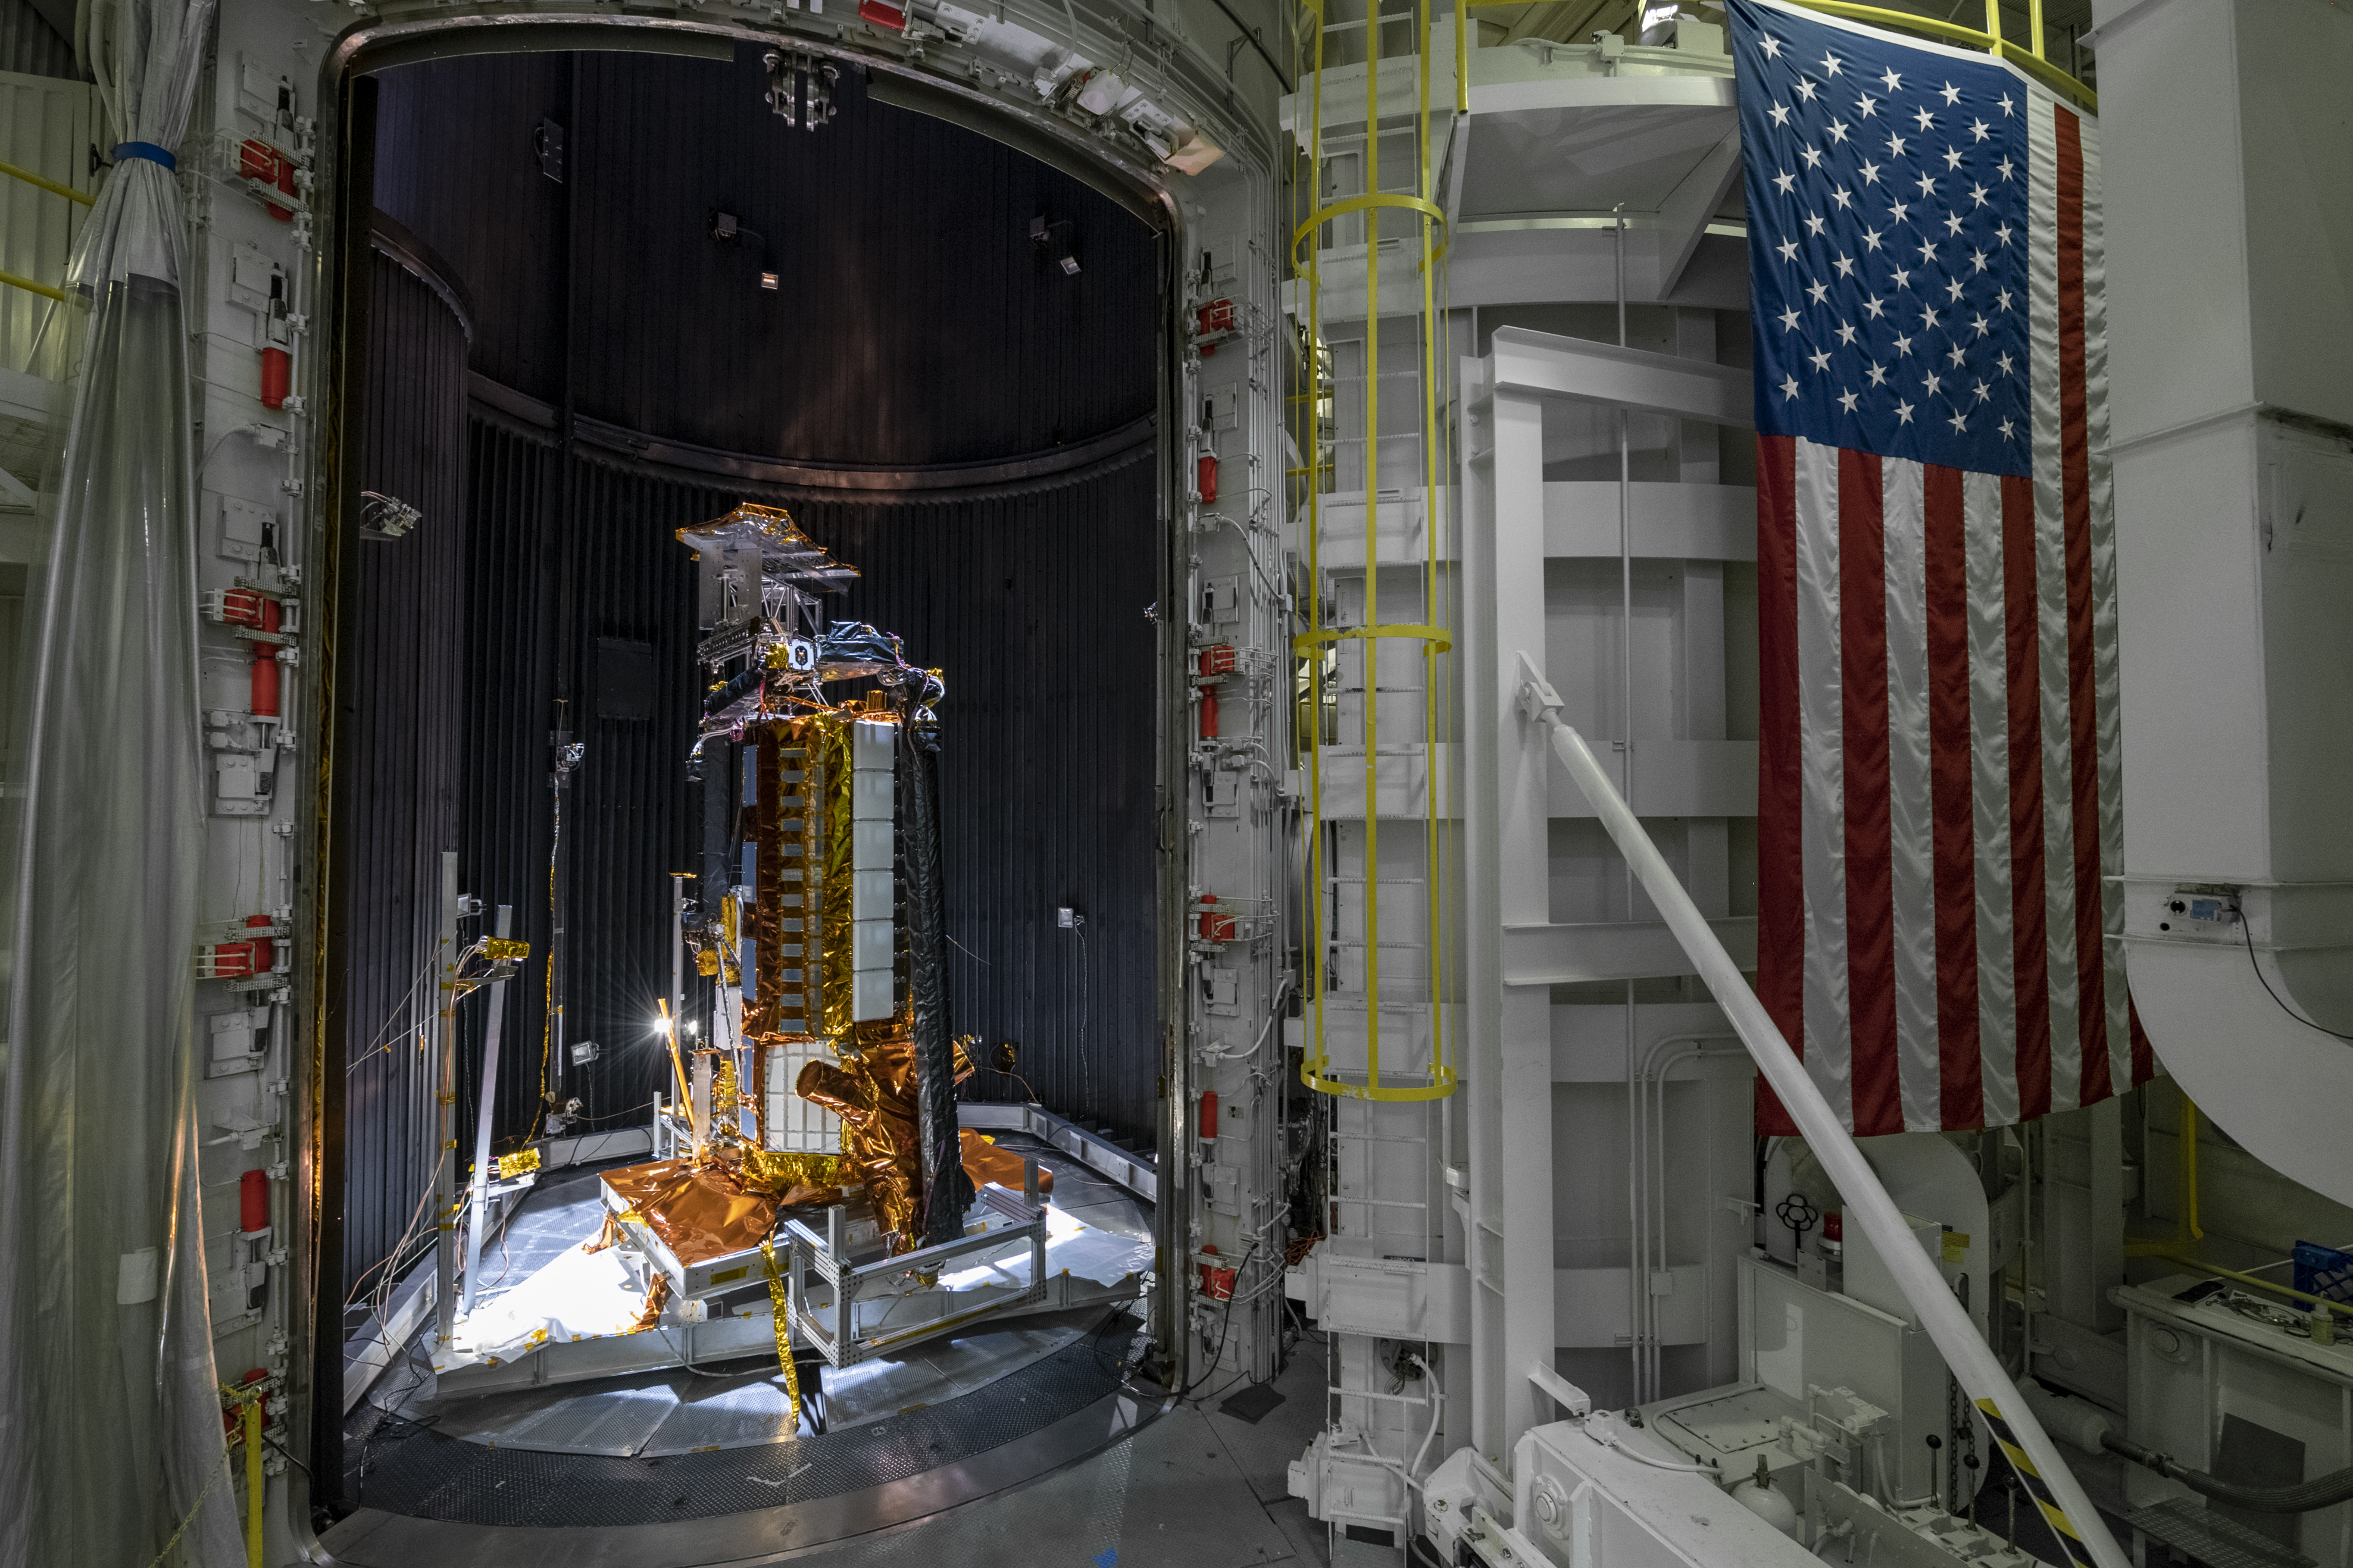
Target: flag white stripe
2050, 605
2104, 614
1911, 800
1822, 733
1990, 794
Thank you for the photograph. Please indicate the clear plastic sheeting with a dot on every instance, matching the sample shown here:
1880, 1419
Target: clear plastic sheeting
110, 1441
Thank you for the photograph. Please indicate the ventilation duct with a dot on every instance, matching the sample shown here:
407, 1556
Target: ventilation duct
2230, 294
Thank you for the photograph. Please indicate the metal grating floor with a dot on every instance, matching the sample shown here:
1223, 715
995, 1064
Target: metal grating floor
2212, 1538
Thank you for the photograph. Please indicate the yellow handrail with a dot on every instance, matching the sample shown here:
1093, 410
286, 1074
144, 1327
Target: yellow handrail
2172, 1254
2029, 59
31, 178
12, 281
2186, 1229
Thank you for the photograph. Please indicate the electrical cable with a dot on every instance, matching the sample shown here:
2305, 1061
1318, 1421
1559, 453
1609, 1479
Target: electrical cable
1256, 47
407, 1231
379, 1042
290, 1454
2304, 1497
2253, 962
221, 441
1615, 1440
1224, 1324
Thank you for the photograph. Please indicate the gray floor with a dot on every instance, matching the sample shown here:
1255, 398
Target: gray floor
1196, 1488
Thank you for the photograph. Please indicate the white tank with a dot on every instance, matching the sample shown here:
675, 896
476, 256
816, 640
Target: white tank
1760, 1497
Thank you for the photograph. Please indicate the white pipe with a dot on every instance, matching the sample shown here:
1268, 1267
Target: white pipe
1973, 1362
1614, 1438
1437, 1413
1660, 1059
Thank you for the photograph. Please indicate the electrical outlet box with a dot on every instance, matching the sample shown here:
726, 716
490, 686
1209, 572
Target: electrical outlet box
243, 526
249, 272
237, 789
239, 1041
1221, 598
1225, 792
1221, 408
1066, 917
1225, 991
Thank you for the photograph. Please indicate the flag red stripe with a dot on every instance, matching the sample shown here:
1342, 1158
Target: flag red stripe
2030, 953
1780, 780
1951, 805
2143, 1055
1870, 831
2083, 716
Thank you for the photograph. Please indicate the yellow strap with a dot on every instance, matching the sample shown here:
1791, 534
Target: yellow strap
780, 1306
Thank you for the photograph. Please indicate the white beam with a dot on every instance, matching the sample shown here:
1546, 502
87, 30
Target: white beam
1683, 219
1572, 952
1543, 365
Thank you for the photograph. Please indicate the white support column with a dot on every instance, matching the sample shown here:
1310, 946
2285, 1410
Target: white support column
1511, 1027
1707, 842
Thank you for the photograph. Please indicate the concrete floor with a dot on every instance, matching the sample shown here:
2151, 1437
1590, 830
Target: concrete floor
1196, 1488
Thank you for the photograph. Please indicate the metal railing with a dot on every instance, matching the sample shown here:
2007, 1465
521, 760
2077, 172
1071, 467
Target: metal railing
1319, 649
2033, 57
31, 178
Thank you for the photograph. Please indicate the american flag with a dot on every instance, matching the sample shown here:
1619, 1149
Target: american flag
1939, 793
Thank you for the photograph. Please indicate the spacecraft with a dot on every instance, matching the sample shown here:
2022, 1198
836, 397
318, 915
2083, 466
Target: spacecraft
811, 1185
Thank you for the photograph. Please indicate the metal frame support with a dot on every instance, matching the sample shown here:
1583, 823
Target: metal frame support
828, 1257
1507, 883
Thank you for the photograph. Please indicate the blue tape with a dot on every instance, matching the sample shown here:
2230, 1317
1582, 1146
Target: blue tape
147, 150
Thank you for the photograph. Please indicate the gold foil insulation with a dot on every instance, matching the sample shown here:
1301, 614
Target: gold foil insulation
873, 1092
726, 1204
985, 1162
780, 1307
726, 1101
